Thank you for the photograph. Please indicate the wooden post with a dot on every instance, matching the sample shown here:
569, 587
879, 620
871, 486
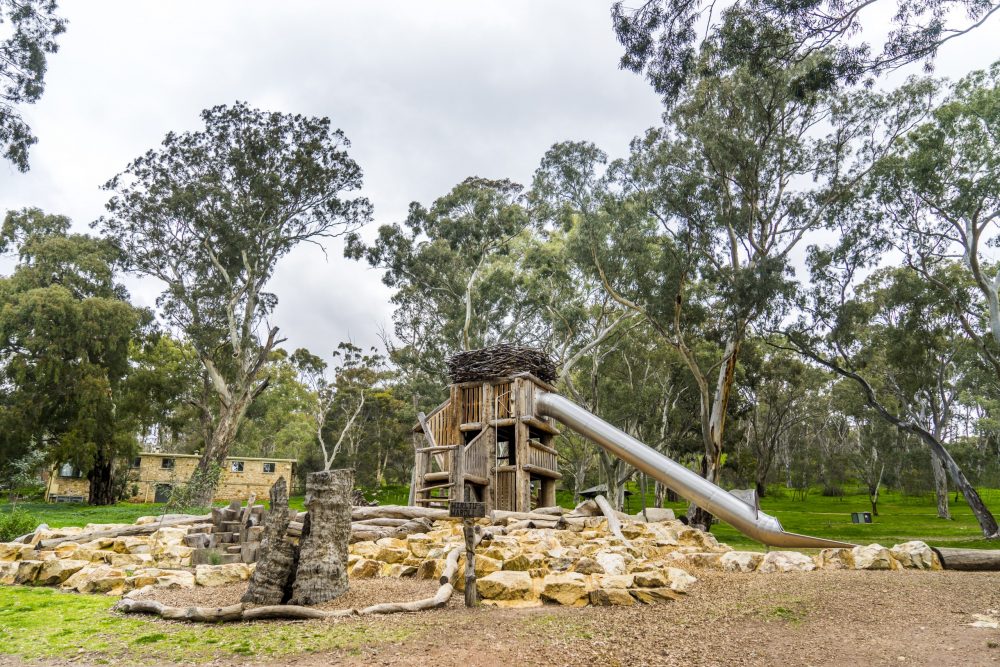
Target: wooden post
489, 495
522, 478
457, 469
471, 595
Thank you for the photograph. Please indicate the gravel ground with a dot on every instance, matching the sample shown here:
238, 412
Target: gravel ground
822, 618
362, 593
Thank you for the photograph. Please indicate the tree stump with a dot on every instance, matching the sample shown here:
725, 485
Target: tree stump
276, 565
322, 566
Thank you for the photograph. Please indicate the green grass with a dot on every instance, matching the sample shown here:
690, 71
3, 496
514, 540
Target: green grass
39, 623
57, 515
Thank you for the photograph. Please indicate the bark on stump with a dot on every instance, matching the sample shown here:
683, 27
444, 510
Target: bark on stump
276, 565
322, 568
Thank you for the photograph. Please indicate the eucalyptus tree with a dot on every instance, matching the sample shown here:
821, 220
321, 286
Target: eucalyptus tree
209, 214
662, 37
66, 328
709, 208
28, 38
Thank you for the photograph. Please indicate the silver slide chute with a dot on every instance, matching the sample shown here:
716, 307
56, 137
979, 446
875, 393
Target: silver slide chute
742, 516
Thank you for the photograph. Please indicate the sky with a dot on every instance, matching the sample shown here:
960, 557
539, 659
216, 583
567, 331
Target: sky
429, 92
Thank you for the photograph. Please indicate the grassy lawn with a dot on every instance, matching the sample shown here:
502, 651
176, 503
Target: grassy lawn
44, 623
901, 517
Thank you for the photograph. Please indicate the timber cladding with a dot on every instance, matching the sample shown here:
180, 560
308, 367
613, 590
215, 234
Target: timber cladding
154, 474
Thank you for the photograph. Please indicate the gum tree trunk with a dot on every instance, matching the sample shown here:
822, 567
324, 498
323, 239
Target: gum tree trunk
940, 486
322, 567
276, 566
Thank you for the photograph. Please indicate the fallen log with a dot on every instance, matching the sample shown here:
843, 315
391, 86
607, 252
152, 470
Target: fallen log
502, 517
975, 560
397, 512
533, 523
554, 510
127, 531
613, 524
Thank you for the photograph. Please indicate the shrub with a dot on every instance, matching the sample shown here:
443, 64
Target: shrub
14, 524
833, 491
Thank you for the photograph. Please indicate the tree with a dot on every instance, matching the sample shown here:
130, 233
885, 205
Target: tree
662, 37
210, 214
30, 36
65, 331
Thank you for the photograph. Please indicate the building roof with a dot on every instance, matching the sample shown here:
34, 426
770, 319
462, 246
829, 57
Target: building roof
599, 490
172, 455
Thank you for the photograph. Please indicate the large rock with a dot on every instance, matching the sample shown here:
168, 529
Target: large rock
525, 561
611, 597
612, 563
432, 568
653, 595
220, 575
130, 561
366, 568
786, 561
652, 579
11, 551
835, 559
587, 565
419, 544
176, 579
97, 579
505, 585
680, 581
8, 570
615, 581
144, 577
740, 561
391, 553
54, 572
568, 588
655, 515
27, 571
873, 557
917, 555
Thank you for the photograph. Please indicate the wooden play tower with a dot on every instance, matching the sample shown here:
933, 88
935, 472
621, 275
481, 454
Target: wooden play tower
485, 444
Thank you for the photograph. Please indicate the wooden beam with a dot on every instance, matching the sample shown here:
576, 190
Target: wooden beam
538, 424
976, 560
542, 472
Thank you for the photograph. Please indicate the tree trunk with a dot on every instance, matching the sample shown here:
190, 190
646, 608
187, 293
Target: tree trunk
940, 486
101, 478
761, 488
322, 570
217, 449
276, 564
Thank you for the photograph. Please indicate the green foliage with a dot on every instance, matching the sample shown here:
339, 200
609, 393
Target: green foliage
29, 35
15, 523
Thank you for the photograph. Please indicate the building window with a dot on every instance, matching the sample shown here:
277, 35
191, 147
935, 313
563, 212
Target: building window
137, 462
67, 470
236, 466
268, 467
167, 464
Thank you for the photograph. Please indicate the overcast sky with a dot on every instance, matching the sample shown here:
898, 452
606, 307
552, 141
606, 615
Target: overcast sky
428, 92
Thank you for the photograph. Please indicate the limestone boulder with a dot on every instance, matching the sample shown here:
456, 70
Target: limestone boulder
364, 549
653, 595
916, 555
786, 561
525, 562
11, 551
220, 575
130, 561
567, 588
391, 554
27, 571
66, 549
54, 572
505, 585
145, 577
176, 579
740, 561
484, 565
873, 557
655, 515
615, 581
611, 597
8, 570
611, 563
419, 544
587, 565
652, 579
680, 580
430, 569
365, 568
96, 579
398, 570
835, 559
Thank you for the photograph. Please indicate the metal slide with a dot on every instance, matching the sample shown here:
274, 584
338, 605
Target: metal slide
742, 516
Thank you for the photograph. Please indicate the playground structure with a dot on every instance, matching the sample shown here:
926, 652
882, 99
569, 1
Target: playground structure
491, 442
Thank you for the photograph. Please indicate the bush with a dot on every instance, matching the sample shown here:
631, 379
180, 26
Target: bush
14, 524
833, 491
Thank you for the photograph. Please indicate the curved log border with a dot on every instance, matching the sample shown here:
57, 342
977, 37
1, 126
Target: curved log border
240, 612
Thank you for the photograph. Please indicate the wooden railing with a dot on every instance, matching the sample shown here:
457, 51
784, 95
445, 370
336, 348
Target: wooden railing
541, 457
478, 454
503, 396
438, 424
472, 404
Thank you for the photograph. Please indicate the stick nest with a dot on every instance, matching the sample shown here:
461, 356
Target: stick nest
500, 361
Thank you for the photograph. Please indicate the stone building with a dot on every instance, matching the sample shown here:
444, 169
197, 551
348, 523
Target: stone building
154, 475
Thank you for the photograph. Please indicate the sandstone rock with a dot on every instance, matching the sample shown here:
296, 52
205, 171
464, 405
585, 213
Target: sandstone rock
652, 579
588, 566
419, 544
708, 560
513, 604
130, 560
391, 554
873, 557
611, 597
655, 515
612, 563
8, 570
398, 570
54, 572
917, 555
653, 595
740, 561
27, 571
66, 549
430, 569
364, 568
97, 579
616, 581
220, 575
11, 551
364, 549
680, 581
169, 535
568, 589
176, 579
505, 585
835, 559
786, 561
392, 543
484, 565
525, 561
144, 577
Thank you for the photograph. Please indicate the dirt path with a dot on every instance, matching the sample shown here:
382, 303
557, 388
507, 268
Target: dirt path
816, 618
